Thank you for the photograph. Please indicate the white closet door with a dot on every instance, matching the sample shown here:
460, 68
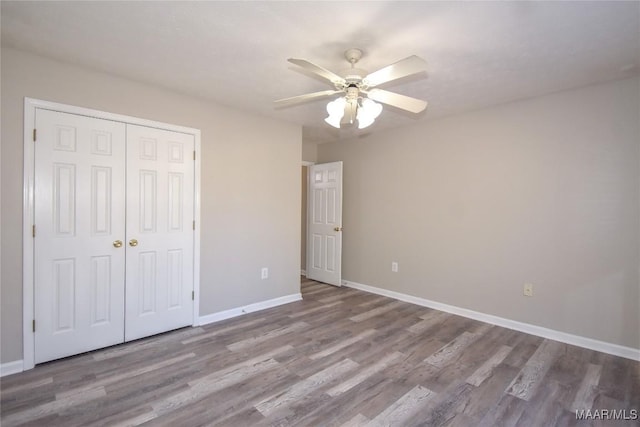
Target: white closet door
160, 237
79, 214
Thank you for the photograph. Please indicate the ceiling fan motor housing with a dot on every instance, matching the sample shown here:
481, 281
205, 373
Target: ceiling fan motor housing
354, 75
352, 92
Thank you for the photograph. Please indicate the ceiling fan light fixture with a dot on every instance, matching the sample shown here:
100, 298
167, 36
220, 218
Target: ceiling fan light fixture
354, 83
368, 112
335, 109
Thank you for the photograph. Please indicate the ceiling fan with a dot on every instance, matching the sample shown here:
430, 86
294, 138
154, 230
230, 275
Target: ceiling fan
359, 90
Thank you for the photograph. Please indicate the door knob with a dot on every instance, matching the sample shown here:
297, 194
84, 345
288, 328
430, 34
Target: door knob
133, 242
117, 243
337, 229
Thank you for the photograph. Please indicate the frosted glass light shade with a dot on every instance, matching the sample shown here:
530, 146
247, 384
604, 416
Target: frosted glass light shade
335, 109
368, 112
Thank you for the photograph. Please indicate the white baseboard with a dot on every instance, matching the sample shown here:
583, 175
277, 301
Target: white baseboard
11, 368
577, 340
303, 273
239, 311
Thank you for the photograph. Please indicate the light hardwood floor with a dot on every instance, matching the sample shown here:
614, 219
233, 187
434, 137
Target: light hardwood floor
339, 357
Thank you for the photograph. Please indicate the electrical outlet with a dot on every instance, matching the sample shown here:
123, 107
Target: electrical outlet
265, 273
528, 290
394, 267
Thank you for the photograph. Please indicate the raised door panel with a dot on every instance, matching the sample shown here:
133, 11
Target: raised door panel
64, 199
175, 279
64, 297
147, 283
330, 256
101, 203
101, 285
175, 202
318, 211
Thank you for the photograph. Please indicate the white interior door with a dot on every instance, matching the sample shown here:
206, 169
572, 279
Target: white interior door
160, 236
79, 214
324, 231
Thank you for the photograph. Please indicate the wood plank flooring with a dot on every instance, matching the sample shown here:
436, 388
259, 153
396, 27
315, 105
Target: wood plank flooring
340, 357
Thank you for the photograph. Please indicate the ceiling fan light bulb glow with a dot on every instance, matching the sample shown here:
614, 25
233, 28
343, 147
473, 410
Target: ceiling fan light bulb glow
333, 121
367, 113
364, 121
335, 109
371, 107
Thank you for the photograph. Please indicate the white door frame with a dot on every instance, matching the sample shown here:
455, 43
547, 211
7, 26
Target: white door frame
303, 269
30, 106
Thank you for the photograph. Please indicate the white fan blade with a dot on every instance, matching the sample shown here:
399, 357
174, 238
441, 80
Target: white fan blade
332, 77
403, 68
396, 100
305, 98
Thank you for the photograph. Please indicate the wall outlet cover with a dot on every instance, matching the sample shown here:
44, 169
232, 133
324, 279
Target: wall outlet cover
528, 290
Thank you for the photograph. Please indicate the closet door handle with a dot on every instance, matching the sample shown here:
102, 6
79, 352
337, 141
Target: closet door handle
117, 244
133, 242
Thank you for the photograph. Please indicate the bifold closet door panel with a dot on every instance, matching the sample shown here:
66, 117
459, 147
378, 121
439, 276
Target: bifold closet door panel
79, 219
160, 236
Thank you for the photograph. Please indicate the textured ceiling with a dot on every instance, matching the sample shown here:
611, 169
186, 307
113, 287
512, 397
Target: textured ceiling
234, 53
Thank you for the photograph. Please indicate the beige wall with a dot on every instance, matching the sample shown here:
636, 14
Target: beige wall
309, 151
543, 191
250, 183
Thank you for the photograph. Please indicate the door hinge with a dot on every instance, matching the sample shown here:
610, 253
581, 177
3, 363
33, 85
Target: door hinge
193, 295
194, 155
194, 224
33, 230
33, 325
34, 135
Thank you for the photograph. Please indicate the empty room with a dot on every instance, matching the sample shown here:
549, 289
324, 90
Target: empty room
320, 213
